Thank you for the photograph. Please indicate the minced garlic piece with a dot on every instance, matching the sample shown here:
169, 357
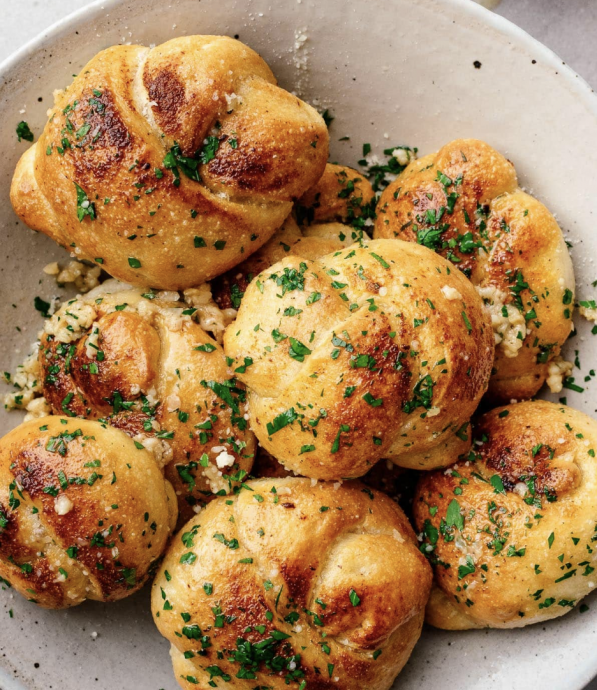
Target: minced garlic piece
84, 277
403, 156
168, 295
211, 317
508, 322
63, 505
557, 371
69, 322
215, 479
451, 293
52, 269
159, 448
174, 318
27, 381
232, 101
37, 408
589, 313
92, 342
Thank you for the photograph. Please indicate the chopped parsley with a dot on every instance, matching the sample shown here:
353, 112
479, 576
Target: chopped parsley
23, 131
85, 207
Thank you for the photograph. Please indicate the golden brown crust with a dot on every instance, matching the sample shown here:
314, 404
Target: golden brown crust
84, 514
129, 132
279, 562
361, 355
59, 387
131, 348
465, 202
153, 372
511, 527
325, 213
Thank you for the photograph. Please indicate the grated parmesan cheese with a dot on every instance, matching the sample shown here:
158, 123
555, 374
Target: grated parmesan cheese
224, 459
215, 479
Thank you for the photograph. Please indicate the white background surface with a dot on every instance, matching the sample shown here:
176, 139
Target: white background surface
569, 27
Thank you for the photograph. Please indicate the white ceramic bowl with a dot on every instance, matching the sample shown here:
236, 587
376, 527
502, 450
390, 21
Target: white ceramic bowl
392, 72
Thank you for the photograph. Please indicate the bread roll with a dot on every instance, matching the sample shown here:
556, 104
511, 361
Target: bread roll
465, 202
511, 528
377, 351
341, 195
170, 165
84, 513
312, 243
138, 359
332, 215
293, 581
385, 476
267, 467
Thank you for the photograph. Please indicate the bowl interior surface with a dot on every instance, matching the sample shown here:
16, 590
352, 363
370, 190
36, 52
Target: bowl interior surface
416, 72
